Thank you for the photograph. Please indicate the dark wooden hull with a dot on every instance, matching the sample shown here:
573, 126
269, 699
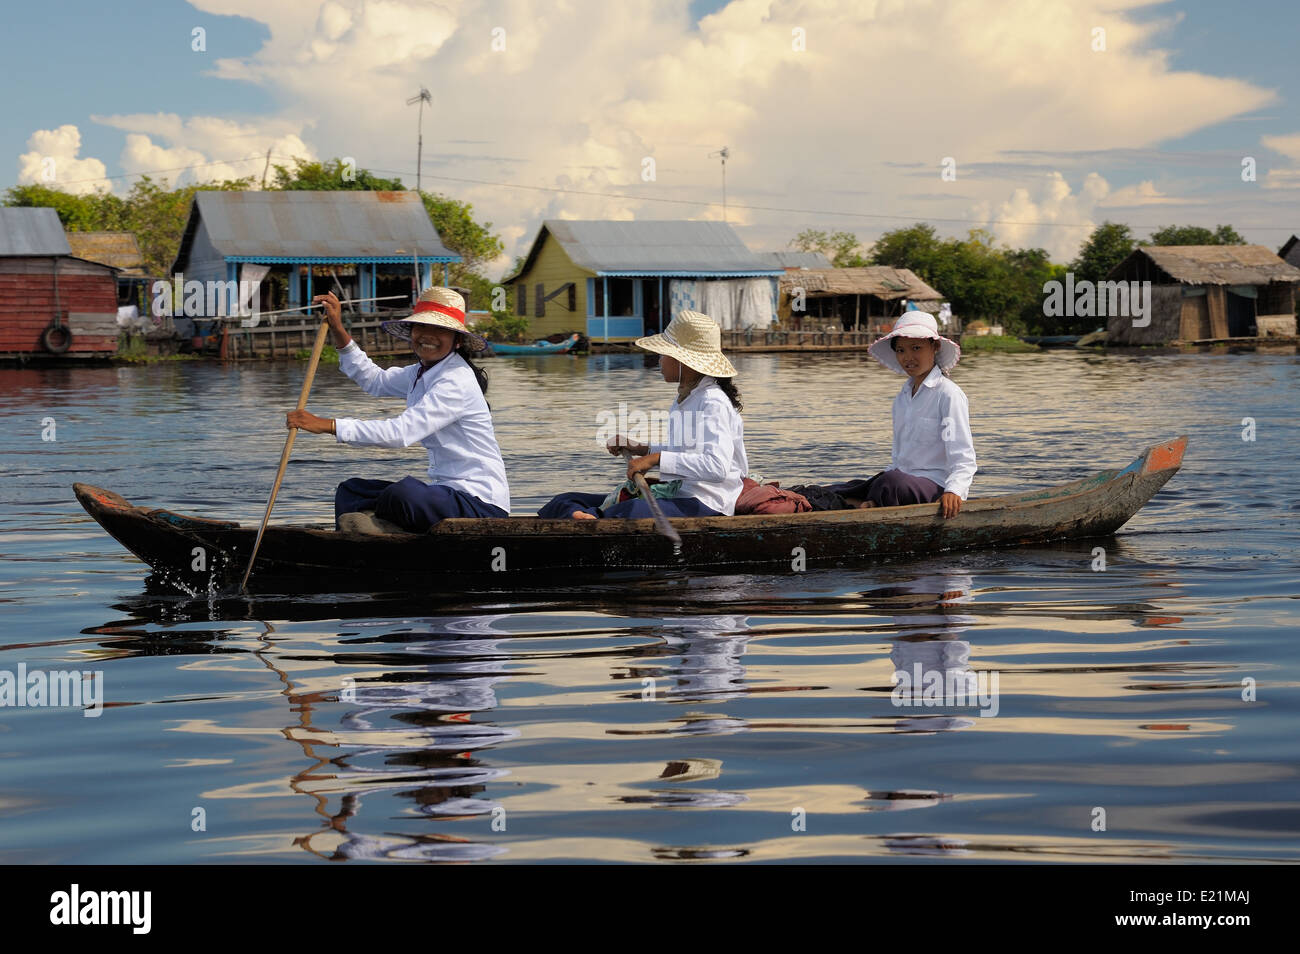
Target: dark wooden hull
199, 557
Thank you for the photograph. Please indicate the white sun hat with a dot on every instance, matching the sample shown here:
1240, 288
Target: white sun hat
695, 340
440, 307
915, 324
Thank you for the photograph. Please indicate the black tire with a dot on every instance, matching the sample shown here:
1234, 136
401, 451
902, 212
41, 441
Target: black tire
56, 339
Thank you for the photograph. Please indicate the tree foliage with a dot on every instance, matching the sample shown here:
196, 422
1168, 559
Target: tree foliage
842, 248
1107, 246
157, 213
1195, 235
981, 280
330, 175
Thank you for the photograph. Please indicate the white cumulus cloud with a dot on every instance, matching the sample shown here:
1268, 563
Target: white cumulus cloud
52, 160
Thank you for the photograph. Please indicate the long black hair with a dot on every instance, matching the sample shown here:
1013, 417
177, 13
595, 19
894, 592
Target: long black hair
732, 392
465, 351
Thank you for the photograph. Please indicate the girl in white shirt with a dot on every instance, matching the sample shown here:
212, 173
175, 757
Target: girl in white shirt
446, 411
933, 455
702, 464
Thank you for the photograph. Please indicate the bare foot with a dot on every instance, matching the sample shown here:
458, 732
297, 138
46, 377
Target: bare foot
582, 515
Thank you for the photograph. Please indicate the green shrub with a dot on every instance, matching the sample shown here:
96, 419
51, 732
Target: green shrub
328, 355
503, 326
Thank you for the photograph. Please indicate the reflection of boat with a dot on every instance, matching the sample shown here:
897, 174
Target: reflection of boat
464, 553
537, 347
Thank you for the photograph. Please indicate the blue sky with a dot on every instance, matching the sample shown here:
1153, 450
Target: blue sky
858, 124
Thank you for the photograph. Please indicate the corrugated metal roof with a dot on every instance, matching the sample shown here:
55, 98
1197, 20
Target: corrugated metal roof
30, 231
1217, 264
651, 246
118, 249
879, 280
791, 259
337, 224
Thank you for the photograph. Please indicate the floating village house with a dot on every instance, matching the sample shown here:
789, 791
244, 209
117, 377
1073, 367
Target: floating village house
865, 299
1204, 292
294, 245
619, 280
51, 301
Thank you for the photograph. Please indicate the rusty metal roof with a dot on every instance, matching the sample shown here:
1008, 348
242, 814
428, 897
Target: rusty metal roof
31, 231
651, 247
882, 281
303, 224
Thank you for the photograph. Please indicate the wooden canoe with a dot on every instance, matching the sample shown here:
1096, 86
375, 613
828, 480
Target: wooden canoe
200, 556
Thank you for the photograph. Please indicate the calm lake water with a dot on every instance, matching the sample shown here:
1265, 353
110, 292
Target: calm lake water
704, 719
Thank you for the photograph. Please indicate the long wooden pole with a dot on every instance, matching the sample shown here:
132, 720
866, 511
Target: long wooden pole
661, 522
288, 444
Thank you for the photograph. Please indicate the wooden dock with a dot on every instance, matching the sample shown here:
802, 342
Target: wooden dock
283, 341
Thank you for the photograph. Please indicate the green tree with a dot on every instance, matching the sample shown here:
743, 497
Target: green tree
842, 248
330, 175
1107, 246
1195, 235
1030, 269
916, 247
476, 244
77, 213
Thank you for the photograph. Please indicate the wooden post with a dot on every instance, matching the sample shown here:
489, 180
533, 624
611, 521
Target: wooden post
857, 311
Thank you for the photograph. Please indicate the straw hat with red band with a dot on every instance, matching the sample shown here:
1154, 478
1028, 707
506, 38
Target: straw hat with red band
440, 307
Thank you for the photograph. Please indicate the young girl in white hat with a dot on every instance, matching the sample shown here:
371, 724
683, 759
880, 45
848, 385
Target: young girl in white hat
934, 455
446, 411
702, 465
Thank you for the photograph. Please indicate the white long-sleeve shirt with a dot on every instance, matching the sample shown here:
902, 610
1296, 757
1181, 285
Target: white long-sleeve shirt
445, 411
932, 433
705, 448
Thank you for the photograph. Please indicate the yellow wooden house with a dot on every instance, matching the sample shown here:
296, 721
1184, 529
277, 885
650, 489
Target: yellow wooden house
619, 280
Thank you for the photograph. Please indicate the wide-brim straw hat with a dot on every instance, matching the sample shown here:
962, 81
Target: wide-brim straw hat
915, 324
440, 307
695, 340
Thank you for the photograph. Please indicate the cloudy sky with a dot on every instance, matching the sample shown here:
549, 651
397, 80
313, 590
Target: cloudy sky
1049, 116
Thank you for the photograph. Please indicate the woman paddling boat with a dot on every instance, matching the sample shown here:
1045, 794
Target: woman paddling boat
446, 411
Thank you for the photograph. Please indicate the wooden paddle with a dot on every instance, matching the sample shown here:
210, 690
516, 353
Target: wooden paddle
661, 522
316, 350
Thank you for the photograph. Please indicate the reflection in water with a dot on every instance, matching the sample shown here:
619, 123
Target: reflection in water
925, 648
410, 736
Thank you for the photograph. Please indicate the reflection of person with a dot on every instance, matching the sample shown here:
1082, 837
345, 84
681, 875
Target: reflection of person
703, 464
711, 648
446, 411
924, 644
933, 453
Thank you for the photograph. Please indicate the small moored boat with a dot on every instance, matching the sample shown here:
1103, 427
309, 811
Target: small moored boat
539, 347
198, 556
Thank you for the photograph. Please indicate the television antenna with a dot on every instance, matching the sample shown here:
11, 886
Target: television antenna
422, 97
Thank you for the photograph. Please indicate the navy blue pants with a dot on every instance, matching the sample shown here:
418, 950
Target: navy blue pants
894, 488
563, 505
411, 504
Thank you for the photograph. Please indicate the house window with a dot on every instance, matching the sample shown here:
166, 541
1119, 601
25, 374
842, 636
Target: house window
620, 297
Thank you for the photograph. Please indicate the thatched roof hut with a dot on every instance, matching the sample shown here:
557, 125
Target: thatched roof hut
118, 249
1208, 292
868, 297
